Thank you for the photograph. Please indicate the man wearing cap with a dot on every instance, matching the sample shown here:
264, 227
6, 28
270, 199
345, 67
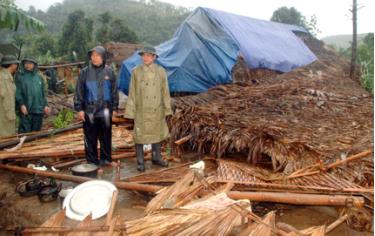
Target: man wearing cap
96, 100
149, 104
9, 65
31, 99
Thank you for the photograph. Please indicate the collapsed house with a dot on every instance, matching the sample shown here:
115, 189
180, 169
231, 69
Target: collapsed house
205, 48
314, 113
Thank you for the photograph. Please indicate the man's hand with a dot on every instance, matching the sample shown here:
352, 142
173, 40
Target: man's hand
114, 113
24, 110
81, 116
46, 110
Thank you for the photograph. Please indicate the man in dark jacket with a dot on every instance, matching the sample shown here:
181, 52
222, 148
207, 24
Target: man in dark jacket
30, 96
96, 100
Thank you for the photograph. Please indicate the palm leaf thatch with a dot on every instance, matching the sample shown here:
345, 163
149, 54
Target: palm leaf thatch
216, 215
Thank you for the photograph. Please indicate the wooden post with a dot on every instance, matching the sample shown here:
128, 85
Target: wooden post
353, 62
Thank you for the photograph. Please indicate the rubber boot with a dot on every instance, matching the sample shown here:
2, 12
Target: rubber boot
156, 155
140, 157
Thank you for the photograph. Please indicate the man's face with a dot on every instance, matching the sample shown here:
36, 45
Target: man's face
29, 65
148, 58
96, 59
13, 68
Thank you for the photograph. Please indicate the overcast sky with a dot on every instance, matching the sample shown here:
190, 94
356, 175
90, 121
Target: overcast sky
333, 15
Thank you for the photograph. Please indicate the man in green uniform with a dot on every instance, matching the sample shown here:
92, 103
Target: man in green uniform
9, 65
30, 96
149, 104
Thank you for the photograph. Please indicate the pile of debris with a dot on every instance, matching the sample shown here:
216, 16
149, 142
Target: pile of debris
193, 205
312, 114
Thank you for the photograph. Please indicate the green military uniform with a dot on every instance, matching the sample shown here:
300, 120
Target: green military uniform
7, 103
149, 103
31, 93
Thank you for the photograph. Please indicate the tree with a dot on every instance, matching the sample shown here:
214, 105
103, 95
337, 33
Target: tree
293, 17
11, 17
76, 35
288, 16
113, 29
103, 33
122, 33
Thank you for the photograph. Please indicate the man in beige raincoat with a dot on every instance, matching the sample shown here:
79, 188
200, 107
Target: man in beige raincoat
9, 66
149, 104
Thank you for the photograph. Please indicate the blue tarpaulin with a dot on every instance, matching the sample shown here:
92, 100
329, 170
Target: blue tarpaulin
204, 49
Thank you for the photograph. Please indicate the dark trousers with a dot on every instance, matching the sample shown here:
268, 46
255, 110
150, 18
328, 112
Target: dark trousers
30, 123
97, 129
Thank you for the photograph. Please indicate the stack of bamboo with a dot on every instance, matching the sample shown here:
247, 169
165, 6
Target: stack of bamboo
69, 144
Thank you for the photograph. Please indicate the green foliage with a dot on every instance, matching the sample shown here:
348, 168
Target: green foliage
76, 35
11, 17
63, 118
293, 17
365, 59
365, 56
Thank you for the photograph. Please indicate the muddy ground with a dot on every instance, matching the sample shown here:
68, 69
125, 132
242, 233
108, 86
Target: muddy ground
29, 212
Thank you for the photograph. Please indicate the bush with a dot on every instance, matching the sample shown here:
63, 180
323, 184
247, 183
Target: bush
63, 118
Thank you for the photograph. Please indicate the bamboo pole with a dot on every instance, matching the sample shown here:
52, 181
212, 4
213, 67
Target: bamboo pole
330, 166
112, 226
336, 223
351, 158
301, 187
68, 163
81, 179
61, 65
183, 140
65, 230
298, 199
39, 135
290, 229
112, 208
123, 155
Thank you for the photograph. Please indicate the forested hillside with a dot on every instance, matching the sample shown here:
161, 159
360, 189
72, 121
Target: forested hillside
153, 22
